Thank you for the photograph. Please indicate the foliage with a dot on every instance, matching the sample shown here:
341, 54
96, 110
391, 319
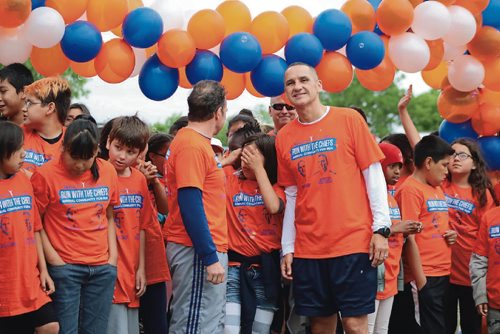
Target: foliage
165, 125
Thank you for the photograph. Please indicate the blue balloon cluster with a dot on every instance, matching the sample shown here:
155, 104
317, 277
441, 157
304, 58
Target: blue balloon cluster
491, 14
490, 147
81, 42
240, 52
157, 81
204, 66
268, 77
452, 131
305, 48
365, 50
142, 27
333, 28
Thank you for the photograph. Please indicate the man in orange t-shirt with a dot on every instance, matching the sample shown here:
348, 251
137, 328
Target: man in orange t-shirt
196, 228
329, 164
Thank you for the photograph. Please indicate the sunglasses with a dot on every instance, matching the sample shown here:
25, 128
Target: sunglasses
280, 106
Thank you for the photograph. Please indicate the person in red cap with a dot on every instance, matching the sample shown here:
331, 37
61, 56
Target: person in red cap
387, 273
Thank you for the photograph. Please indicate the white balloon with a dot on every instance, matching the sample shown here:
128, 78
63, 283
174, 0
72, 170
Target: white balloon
463, 26
453, 51
465, 73
44, 27
171, 14
140, 59
409, 52
431, 20
14, 49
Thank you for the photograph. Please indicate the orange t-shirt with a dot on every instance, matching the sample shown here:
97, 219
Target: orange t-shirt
252, 230
133, 214
392, 189
20, 290
74, 210
38, 151
465, 218
427, 204
488, 245
391, 264
497, 191
325, 161
191, 163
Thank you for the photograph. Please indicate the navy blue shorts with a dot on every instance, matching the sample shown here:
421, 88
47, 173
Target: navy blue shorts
322, 287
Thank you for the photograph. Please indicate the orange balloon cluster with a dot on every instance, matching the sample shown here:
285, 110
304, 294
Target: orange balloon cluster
237, 16
492, 74
115, 62
271, 30
474, 6
486, 44
299, 20
207, 28
437, 52
132, 4
69, 10
249, 86
378, 78
176, 48
13, 13
434, 78
335, 72
86, 70
456, 106
183, 80
361, 13
49, 62
234, 83
486, 120
108, 14
394, 16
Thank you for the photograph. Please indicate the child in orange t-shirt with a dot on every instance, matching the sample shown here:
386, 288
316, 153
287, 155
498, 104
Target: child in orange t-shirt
75, 195
24, 281
127, 139
13, 79
46, 105
421, 199
254, 206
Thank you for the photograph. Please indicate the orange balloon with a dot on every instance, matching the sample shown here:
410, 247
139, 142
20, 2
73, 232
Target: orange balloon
115, 62
132, 4
489, 96
299, 20
108, 14
492, 74
13, 13
151, 50
335, 72
447, 2
69, 10
394, 16
49, 62
474, 6
249, 86
272, 31
234, 83
437, 52
361, 13
378, 78
86, 70
456, 106
415, 3
237, 16
486, 120
486, 44
207, 28
434, 78
183, 80
176, 48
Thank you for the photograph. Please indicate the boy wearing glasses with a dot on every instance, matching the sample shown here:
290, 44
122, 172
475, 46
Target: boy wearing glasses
46, 104
282, 114
13, 79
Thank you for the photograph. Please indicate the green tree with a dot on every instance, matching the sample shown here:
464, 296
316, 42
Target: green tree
165, 125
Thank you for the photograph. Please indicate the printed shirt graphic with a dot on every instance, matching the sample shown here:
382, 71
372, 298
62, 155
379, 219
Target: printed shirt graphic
392, 266
252, 230
488, 244
74, 210
38, 151
465, 218
20, 290
134, 213
427, 204
325, 161
192, 163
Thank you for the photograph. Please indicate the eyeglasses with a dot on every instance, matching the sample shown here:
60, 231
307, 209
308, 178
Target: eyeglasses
280, 106
29, 103
461, 156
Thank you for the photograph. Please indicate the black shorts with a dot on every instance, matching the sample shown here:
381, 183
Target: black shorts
27, 322
324, 286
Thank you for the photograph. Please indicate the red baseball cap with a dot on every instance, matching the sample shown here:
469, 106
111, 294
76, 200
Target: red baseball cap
392, 154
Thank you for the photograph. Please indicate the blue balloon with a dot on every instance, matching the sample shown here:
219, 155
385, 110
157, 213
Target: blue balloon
204, 66
157, 81
365, 50
240, 52
305, 48
269, 76
142, 27
377, 30
375, 3
452, 131
491, 14
81, 42
37, 3
333, 28
490, 147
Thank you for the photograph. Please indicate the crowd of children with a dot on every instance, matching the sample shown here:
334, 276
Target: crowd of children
119, 230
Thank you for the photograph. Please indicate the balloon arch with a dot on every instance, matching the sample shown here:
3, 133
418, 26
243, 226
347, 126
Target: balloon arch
455, 44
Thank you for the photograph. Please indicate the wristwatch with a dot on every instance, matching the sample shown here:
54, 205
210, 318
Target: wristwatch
384, 231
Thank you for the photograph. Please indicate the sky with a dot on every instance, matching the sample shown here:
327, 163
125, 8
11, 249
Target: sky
106, 101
